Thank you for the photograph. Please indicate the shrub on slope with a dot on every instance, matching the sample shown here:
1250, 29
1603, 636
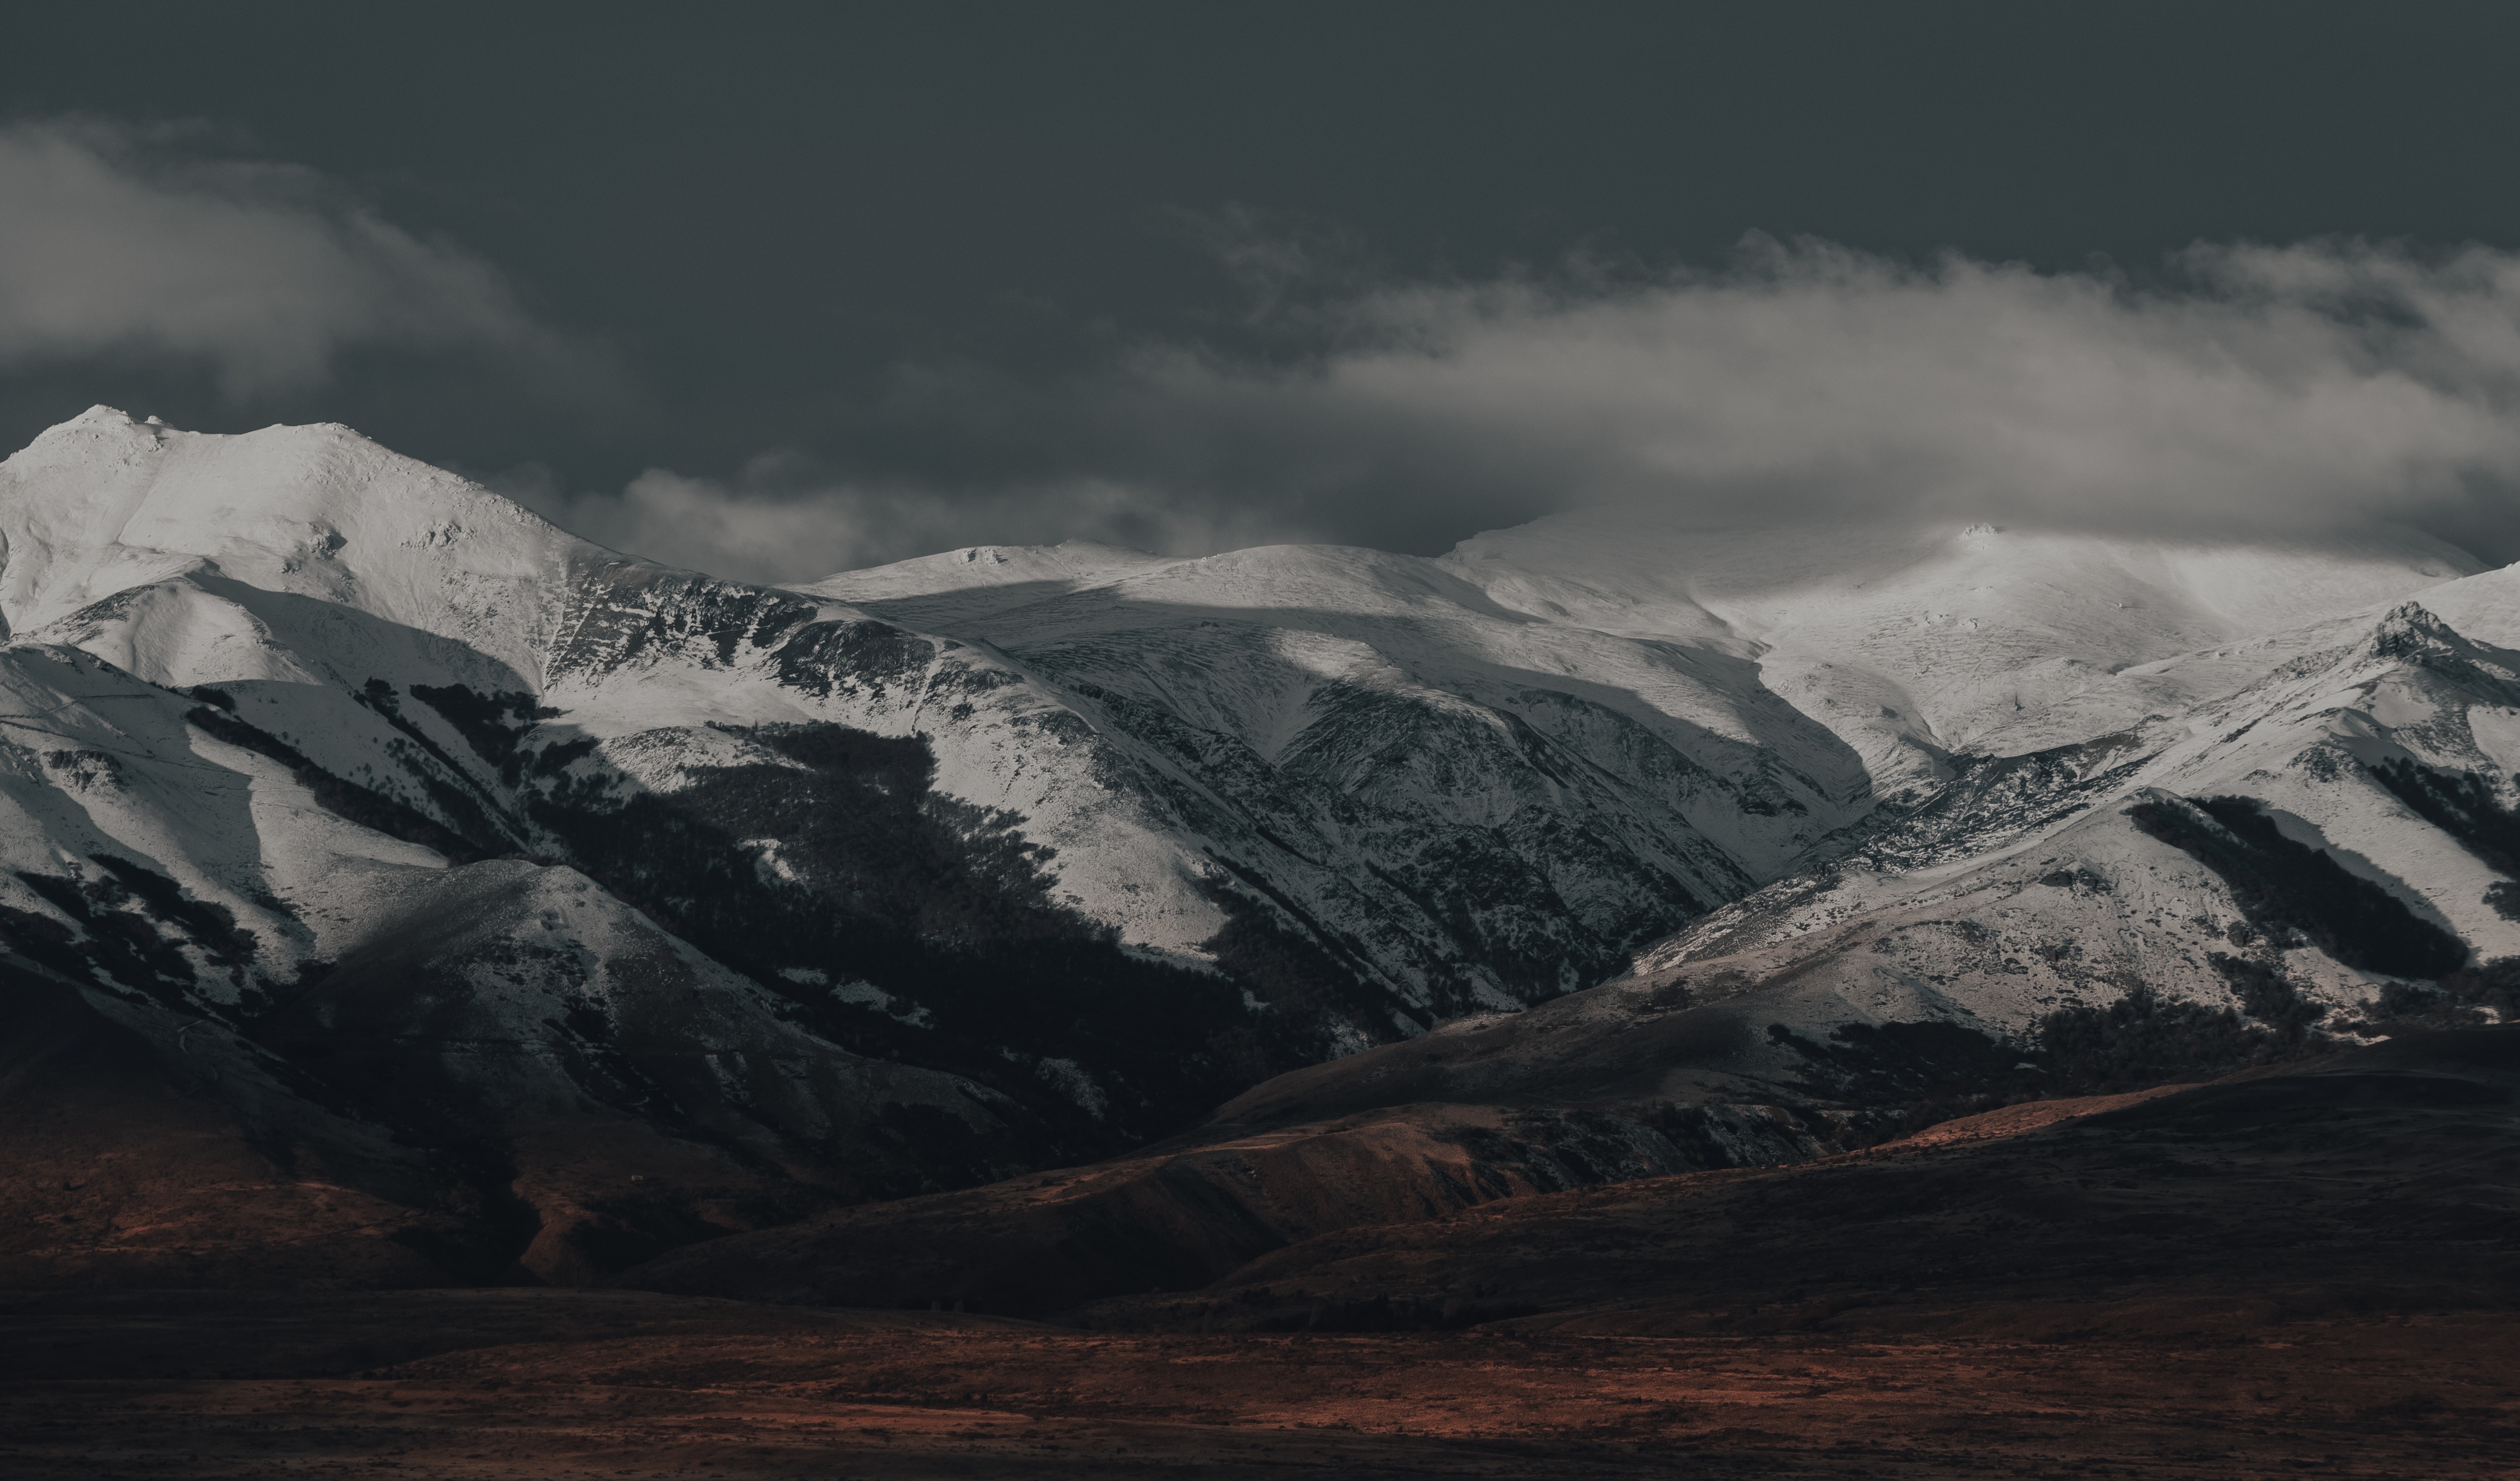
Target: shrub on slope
2282, 886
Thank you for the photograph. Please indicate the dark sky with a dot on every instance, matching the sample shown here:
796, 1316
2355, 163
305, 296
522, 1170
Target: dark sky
927, 249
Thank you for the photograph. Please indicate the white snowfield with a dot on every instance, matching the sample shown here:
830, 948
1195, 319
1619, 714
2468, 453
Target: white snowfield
1472, 781
1912, 641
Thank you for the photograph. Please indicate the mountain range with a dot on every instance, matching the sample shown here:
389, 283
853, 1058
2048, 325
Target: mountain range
397, 889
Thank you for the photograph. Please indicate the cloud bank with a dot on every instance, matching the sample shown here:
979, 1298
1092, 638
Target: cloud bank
262, 273
2248, 389
2317, 383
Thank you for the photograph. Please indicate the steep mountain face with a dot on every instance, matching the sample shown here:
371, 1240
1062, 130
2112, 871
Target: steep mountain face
1468, 806
582, 908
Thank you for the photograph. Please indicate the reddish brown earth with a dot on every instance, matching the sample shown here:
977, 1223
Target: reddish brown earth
117, 1169
569, 1383
2384, 1179
2313, 1268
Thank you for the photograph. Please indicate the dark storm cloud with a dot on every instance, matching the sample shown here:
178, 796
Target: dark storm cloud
870, 280
1340, 399
2296, 388
2319, 385
114, 245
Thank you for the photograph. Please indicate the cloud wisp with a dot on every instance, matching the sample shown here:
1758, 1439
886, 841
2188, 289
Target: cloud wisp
767, 527
261, 273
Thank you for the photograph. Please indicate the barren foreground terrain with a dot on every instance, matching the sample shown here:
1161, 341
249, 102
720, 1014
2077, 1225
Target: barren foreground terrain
2310, 1268
534, 1383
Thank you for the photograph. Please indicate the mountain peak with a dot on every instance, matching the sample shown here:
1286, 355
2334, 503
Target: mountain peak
2410, 628
105, 503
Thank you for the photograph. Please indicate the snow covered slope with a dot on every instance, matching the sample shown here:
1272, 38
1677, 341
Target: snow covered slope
1915, 641
1489, 802
2386, 742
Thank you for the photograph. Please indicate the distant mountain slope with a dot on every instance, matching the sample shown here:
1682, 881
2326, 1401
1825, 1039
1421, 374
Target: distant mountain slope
1914, 640
2335, 849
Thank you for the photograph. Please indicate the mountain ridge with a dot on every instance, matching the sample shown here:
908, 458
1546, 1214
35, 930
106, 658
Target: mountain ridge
563, 871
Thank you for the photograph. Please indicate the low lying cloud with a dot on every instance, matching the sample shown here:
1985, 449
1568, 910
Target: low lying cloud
2247, 389
263, 273
769, 529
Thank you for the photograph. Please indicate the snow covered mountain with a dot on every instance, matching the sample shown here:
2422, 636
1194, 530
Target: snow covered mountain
600, 906
2326, 844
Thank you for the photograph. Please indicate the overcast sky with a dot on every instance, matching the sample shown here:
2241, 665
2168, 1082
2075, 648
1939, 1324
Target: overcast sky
778, 290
